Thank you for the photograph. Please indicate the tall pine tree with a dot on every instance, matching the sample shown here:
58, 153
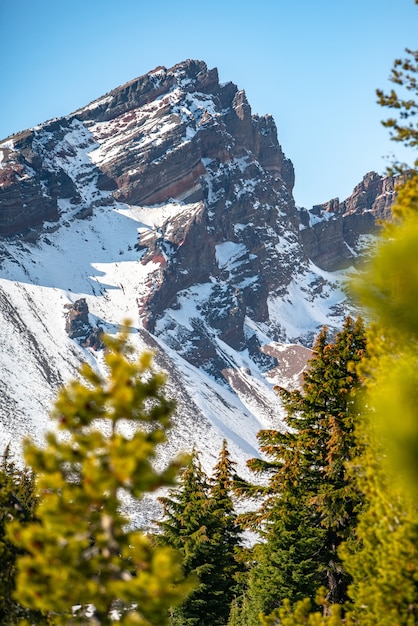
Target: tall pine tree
200, 522
187, 527
228, 531
384, 563
382, 559
310, 503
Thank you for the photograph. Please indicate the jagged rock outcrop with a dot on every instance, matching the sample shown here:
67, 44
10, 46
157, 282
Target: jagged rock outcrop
178, 136
78, 326
28, 191
330, 232
171, 165
39, 175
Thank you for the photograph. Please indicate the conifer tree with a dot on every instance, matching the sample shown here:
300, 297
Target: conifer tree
187, 526
238, 615
383, 557
199, 521
83, 560
17, 502
228, 531
310, 504
403, 100
384, 563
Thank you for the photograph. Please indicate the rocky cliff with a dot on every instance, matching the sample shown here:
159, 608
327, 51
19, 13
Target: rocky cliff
167, 201
333, 233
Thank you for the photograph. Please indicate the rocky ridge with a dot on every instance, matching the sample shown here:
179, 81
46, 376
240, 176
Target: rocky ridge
169, 202
332, 233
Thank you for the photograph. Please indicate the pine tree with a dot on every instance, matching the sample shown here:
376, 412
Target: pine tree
391, 304
228, 530
199, 521
83, 560
382, 558
303, 614
187, 527
238, 615
17, 502
310, 504
384, 562
403, 102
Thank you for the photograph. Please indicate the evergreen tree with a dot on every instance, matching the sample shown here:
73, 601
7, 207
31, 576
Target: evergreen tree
391, 304
384, 562
199, 521
84, 561
389, 290
404, 102
310, 504
17, 502
238, 615
302, 615
228, 530
187, 526
382, 559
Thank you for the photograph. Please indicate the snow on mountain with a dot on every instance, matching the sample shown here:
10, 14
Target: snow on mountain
166, 202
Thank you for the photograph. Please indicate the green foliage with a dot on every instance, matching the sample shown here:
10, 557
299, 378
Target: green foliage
384, 564
382, 556
391, 303
17, 502
83, 560
383, 561
310, 503
238, 615
228, 533
185, 527
302, 614
200, 522
403, 101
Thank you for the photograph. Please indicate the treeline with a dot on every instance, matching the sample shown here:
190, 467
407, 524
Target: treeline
308, 503
68, 556
336, 534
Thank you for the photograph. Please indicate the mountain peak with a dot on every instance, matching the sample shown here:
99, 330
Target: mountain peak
190, 74
167, 201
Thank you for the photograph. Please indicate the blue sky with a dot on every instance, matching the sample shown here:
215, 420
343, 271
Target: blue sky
312, 64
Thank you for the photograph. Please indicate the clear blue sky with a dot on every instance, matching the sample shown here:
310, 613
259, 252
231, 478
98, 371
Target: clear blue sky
313, 64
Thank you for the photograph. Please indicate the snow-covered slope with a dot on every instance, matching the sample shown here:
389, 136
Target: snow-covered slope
167, 203
96, 259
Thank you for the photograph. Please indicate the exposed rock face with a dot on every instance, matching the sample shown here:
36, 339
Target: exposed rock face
28, 191
170, 164
168, 204
331, 231
39, 174
179, 136
217, 223
78, 325
292, 362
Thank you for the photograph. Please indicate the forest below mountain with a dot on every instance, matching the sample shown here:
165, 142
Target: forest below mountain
332, 511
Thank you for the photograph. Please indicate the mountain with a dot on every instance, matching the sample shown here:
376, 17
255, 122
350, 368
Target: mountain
167, 202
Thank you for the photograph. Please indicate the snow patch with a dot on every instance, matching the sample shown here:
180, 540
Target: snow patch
228, 253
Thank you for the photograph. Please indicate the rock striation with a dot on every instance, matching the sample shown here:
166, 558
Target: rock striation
332, 232
217, 226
